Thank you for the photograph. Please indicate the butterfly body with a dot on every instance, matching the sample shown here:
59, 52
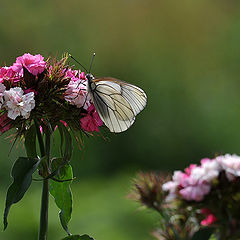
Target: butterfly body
117, 102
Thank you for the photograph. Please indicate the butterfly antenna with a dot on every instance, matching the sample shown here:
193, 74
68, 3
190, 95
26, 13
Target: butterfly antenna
77, 62
94, 54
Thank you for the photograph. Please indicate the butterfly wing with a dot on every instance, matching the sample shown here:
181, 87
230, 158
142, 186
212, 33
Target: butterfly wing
117, 102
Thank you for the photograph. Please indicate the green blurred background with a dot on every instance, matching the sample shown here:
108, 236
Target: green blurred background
184, 54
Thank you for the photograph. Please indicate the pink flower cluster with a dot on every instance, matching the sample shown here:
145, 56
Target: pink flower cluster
34, 64
16, 100
76, 93
196, 181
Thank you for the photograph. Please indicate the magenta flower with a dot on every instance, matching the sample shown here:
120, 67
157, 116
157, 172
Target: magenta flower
33, 63
91, 121
7, 73
210, 217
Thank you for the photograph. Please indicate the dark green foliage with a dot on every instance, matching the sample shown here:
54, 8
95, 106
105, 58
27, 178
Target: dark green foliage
203, 234
61, 191
22, 174
66, 146
78, 237
30, 142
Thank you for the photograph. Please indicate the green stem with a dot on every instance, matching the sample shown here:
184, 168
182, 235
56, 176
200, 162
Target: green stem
44, 211
45, 152
40, 139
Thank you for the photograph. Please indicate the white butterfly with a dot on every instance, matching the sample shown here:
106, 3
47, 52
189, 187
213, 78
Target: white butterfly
117, 102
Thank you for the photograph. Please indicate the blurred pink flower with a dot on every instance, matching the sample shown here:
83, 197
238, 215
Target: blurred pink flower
189, 169
230, 164
91, 121
195, 192
210, 218
4, 123
194, 183
35, 64
208, 170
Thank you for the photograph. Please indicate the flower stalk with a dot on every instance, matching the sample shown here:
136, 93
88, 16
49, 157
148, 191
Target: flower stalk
45, 155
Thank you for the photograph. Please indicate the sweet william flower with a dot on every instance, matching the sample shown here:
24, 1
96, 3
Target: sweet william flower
35, 64
76, 92
7, 73
17, 103
91, 121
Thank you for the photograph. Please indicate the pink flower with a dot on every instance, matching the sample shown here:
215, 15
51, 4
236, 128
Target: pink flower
230, 164
193, 184
91, 121
69, 73
195, 192
75, 75
82, 75
76, 92
7, 73
210, 218
17, 103
190, 168
33, 63
4, 123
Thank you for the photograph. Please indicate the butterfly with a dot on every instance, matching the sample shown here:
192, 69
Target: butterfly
117, 102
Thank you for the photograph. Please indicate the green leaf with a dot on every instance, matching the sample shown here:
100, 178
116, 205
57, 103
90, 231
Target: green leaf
66, 142
22, 172
78, 237
203, 233
30, 142
61, 191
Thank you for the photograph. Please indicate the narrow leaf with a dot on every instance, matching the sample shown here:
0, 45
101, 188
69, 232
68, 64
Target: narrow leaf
78, 237
66, 142
22, 172
204, 233
61, 191
30, 142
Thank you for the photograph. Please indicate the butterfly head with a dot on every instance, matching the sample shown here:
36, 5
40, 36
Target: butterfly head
91, 83
89, 77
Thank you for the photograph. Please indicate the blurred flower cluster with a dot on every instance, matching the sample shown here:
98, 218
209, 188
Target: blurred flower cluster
48, 91
202, 197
